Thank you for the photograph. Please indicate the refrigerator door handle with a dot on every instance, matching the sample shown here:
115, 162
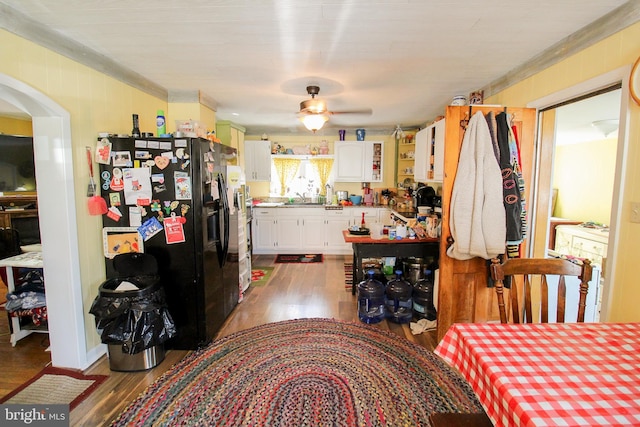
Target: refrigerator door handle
219, 223
225, 210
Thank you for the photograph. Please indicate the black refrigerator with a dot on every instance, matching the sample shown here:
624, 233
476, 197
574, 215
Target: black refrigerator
171, 195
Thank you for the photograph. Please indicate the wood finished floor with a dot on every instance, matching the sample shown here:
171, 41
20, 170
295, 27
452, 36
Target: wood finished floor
294, 291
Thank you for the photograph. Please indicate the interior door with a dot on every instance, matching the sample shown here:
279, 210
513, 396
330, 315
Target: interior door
463, 295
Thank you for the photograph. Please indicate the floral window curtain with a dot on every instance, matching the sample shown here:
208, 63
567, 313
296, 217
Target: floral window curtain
286, 169
323, 168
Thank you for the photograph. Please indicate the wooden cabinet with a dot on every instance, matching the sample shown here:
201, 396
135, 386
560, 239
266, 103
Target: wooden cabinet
20, 212
257, 161
429, 153
359, 161
463, 294
230, 134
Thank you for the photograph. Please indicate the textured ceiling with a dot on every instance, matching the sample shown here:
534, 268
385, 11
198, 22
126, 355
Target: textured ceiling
405, 60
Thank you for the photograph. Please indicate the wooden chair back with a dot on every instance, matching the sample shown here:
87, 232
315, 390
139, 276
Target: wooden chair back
527, 272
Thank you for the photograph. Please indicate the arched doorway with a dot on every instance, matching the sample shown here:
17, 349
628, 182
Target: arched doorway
56, 201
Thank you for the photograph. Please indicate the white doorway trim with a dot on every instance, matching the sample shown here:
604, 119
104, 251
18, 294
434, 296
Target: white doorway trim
605, 80
57, 216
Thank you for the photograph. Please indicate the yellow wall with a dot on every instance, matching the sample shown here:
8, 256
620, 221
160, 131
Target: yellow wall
584, 174
616, 51
190, 111
261, 189
96, 103
11, 126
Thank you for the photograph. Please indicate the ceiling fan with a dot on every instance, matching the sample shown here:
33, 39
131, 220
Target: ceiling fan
314, 112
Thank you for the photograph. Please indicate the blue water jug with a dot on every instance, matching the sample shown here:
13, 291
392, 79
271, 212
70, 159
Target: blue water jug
398, 299
371, 299
423, 307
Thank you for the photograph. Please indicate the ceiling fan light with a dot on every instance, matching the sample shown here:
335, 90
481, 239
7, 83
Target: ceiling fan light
606, 127
313, 122
313, 106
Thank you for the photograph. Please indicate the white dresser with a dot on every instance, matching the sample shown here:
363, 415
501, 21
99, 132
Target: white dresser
582, 242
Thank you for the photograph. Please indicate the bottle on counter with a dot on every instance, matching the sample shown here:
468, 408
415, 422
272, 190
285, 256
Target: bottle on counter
371, 299
398, 299
135, 132
161, 123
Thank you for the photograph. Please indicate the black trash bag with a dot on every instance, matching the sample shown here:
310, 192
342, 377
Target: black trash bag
136, 319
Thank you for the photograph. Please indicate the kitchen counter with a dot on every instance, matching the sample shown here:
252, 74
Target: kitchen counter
312, 205
366, 247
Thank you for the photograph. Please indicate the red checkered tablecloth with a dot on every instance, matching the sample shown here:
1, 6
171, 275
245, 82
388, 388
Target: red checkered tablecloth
560, 374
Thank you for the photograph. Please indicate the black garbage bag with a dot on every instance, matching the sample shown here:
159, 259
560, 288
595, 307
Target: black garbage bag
136, 319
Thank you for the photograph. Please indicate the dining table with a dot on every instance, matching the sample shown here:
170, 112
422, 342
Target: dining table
550, 374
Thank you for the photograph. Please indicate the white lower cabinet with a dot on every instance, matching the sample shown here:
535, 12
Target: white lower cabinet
313, 233
335, 222
264, 231
305, 230
288, 233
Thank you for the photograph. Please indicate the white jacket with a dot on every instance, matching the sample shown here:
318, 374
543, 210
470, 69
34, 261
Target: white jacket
477, 216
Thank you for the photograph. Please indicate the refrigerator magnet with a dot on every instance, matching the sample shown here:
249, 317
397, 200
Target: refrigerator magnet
173, 229
135, 216
150, 228
114, 199
117, 184
162, 162
103, 151
182, 185
114, 213
122, 159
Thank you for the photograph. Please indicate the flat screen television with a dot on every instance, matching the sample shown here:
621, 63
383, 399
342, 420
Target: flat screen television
17, 167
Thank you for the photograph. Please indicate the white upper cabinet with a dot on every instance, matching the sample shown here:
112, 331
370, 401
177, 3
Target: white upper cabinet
429, 156
358, 161
257, 160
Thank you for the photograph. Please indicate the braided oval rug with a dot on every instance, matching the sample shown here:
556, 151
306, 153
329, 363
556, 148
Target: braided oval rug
308, 372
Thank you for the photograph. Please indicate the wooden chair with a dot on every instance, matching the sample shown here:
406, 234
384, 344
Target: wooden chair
525, 273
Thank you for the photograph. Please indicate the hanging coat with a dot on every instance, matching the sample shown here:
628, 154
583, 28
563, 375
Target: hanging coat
510, 183
477, 218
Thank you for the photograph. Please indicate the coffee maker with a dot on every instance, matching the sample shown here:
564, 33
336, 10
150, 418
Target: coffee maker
424, 196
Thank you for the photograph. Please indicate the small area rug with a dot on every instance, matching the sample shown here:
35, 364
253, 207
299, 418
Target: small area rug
55, 386
260, 275
348, 276
306, 372
304, 258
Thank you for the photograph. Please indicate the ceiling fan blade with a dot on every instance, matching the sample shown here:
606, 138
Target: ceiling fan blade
367, 111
